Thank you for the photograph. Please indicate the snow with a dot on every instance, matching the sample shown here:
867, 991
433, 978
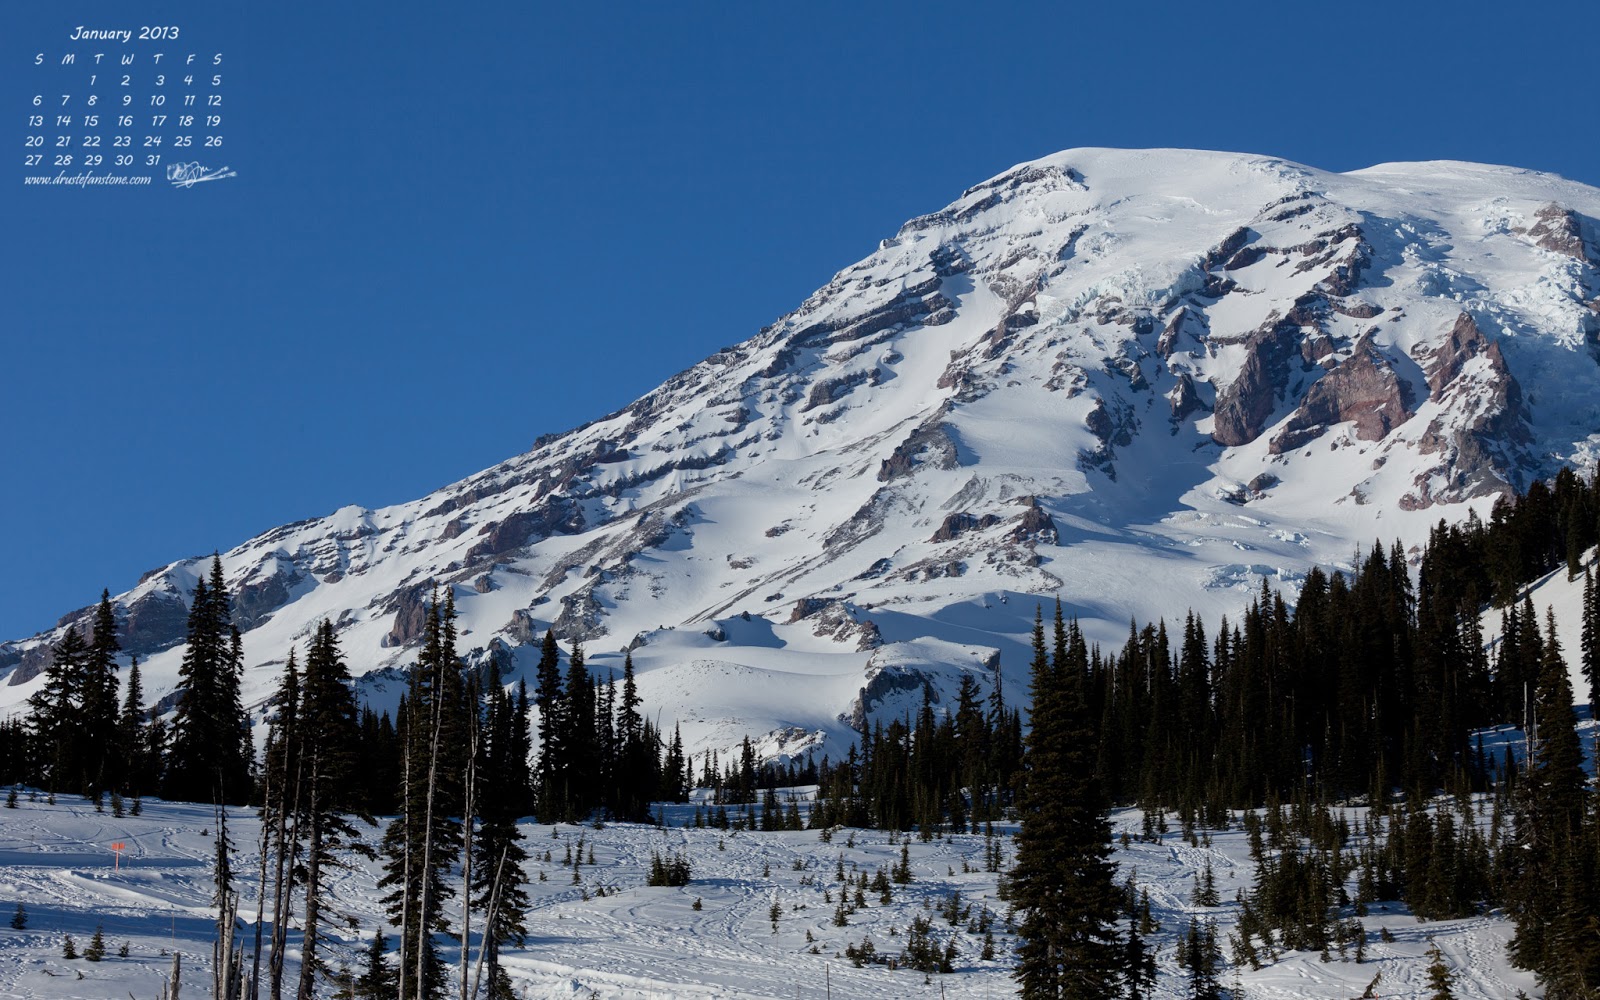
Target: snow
643, 942
1100, 248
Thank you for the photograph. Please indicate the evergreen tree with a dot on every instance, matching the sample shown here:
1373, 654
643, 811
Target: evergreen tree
1552, 899
328, 788
56, 738
422, 843
1063, 880
1591, 641
552, 724
499, 882
208, 758
141, 768
1440, 978
1200, 957
103, 759
377, 980
97, 945
1139, 962
280, 811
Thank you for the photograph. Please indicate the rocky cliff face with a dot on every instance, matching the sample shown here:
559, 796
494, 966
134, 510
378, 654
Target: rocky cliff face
1140, 381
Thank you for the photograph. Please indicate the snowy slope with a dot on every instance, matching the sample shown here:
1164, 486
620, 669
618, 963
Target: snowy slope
641, 942
1141, 381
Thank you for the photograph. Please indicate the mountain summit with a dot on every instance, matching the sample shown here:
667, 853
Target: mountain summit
1142, 381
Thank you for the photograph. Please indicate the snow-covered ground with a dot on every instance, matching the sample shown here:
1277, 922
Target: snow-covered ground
637, 941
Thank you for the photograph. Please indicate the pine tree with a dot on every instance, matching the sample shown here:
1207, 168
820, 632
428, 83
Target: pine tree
1139, 962
139, 771
1590, 638
1440, 978
1063, 880
329, 790
103, 759
377, 980
422, 843
499, 882
552, 724
208, 756
19, 919
55, 708
1205, 890
280, 809
1551, 898
97, 945
1199, 955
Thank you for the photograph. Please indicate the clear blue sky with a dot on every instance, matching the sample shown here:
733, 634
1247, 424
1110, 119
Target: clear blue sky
456, 227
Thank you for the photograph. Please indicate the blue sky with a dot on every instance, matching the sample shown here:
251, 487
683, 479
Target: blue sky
454, 229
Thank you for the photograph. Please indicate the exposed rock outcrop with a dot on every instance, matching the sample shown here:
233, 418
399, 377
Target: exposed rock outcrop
410, 607
930, 444
1482, 437
958, 524
1464, 343
557, 515
258, 598
1244, 406
1363, 389
1183, 398
1035, 526
155, 620
1559, 231
837, 620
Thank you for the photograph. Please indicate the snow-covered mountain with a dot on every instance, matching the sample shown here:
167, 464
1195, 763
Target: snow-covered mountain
1141, 381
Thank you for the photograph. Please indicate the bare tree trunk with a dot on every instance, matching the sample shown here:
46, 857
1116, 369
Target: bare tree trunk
427, 835
405, 875
170, 988
313, 891
466, 849
227, 909
490, 946
263, 847
283, 886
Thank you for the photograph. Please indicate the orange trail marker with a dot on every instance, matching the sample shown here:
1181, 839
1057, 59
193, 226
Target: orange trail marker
116, 852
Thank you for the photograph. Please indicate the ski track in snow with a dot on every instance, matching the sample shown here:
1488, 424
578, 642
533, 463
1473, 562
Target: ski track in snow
649, 942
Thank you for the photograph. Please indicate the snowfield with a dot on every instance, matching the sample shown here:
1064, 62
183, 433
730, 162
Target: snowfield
637, 941
1139, 381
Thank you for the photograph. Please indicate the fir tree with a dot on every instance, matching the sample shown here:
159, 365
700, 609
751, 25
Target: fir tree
328, 790
1205, 889
422, 843
139, 772
97, 945
499, 881
56, 737
1063, 880
1440, 978
1590, 637
552, 752
208, 757
280, 810
102, 758
1552, 900
377, 979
